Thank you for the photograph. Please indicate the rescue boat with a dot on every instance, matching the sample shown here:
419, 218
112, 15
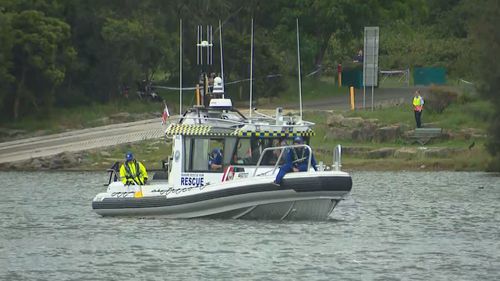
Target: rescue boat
251, 150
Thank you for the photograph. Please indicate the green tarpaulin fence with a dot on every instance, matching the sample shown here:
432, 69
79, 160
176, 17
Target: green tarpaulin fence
429, 75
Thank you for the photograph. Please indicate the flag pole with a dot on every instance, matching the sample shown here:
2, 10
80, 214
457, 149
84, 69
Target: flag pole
180, 66
298, 62
221, 58
251, 71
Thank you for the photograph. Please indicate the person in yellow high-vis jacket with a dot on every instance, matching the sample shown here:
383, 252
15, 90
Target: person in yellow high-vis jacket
133, 171
418, 106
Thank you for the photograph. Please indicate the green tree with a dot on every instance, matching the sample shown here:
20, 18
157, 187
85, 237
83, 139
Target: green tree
403, 46
486, 43
135, 48
7, 39
123, 41
324, 22
41, 52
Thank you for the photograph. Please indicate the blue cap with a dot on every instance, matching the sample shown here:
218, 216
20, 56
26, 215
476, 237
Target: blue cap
216, 151
129, 156
298, 140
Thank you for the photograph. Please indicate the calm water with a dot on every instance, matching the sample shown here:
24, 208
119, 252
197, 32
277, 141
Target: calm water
394, 226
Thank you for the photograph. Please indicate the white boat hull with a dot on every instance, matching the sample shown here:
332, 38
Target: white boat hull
301, 197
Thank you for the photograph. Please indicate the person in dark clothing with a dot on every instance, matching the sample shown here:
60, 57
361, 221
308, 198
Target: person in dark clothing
215, 161
418, 106
296, 160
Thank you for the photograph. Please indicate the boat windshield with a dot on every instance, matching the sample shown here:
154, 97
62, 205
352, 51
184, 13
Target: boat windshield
248, 151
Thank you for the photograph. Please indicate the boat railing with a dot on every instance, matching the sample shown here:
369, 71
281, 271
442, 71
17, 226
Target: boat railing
282, 150
201, 120
235, 123
114, 173
286, 119
337, 158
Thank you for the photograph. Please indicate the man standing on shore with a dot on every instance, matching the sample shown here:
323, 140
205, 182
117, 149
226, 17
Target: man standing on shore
418, 106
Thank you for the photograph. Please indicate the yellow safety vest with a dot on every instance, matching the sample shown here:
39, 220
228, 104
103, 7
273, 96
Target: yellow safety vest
133, 172
418, 103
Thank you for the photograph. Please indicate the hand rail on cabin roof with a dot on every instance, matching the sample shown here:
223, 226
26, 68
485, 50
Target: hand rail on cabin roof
233, 123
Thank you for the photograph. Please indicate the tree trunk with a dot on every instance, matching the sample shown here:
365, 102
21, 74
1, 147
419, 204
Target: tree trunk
321, 52
19, 93
16, 107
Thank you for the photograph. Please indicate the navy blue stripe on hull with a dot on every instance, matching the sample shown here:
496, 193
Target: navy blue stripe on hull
309, 184
300, 185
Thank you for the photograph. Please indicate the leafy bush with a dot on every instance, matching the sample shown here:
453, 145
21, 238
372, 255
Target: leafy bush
466, 98
439, 98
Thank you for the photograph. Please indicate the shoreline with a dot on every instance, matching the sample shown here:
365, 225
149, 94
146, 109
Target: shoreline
349, 165
368, 144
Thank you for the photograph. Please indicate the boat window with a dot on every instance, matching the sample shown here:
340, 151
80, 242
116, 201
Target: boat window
229, 148
243, 153
248, 151
187, 153
203, 155
200, 154
216, 155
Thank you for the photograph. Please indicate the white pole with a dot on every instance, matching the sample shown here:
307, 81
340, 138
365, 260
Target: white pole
180, 66
372, 93
364, 95
251, 71
208, 48
298, 62
375, 69
408, 77
221, 58
364, 70
211, 45
197, 46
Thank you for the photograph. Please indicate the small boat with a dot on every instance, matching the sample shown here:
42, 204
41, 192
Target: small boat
251, 150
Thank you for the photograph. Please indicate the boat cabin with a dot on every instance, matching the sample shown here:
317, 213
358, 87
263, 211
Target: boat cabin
213, 140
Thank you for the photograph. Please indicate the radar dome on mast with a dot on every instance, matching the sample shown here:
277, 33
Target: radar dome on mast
218, 86
218, 91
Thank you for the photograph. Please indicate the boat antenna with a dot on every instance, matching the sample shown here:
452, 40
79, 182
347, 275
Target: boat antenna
251, 71
298, 63
221, 59
204, 63
180, 66
210, 38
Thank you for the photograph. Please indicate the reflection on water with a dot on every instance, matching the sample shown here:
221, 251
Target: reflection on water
395, 225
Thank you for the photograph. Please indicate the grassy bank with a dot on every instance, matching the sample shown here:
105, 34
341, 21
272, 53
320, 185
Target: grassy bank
150, 152
466, 114
454, 119
473, 113
465, 122
91, 115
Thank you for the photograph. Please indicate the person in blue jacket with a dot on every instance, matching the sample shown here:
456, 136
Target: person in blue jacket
296, 160
215, 162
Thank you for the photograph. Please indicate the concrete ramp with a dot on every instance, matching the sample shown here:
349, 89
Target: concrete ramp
80, 140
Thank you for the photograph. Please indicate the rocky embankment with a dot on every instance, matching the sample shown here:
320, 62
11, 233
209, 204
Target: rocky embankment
399, 140
61, 161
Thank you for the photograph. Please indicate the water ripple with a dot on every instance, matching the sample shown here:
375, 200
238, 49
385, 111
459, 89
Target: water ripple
394, 226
